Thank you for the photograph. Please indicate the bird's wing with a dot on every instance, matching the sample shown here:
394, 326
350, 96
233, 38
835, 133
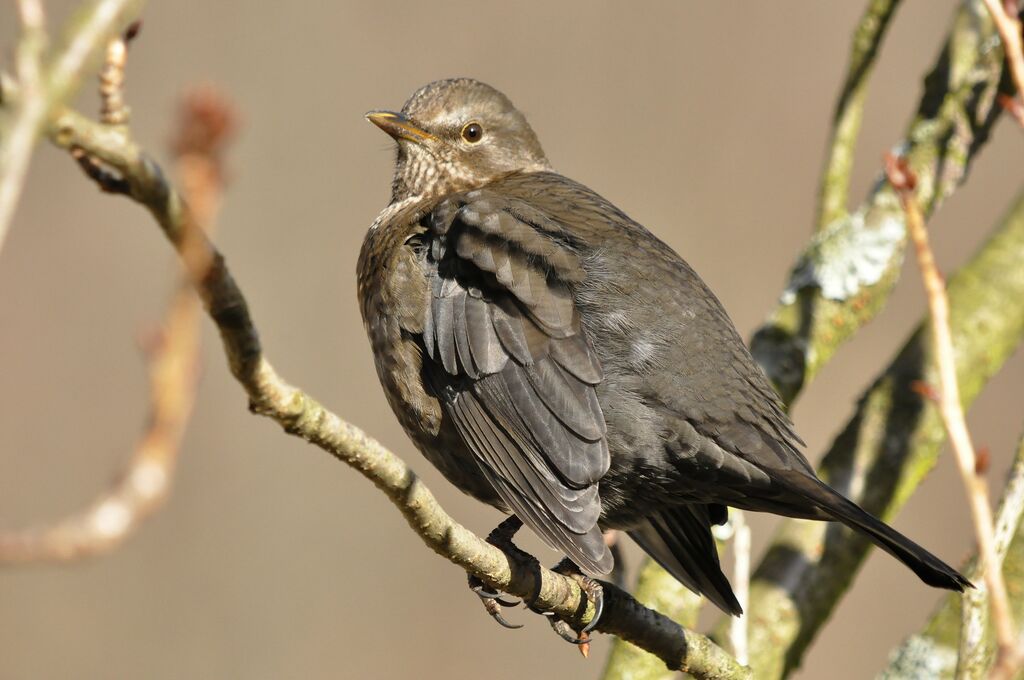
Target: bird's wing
507, 356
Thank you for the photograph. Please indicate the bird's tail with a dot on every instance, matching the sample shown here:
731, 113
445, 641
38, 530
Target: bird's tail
927, 566
680, 540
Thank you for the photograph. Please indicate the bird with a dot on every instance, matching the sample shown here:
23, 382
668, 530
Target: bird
553, 358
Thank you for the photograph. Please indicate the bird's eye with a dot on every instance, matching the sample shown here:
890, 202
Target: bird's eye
473, 132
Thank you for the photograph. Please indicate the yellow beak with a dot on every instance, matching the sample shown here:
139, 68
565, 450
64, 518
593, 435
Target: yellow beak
398, 126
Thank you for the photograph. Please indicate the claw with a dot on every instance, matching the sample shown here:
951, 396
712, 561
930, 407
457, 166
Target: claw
594, 592
495, 597
494, 609
493, 602
597, 595
565, 632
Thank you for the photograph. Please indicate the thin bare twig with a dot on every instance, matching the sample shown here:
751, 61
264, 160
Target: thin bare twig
39, 92
935, 647
740, 583
1011, 506
1008, 517
174, 356
144, 484
903, 181
18, 134
1005, 15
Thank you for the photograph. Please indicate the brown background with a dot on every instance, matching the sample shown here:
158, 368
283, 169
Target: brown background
705, 121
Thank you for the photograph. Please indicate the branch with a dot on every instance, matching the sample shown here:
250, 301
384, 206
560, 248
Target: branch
174, 356
25, 110
659, 590
300, 415
142, 487
935, 651
885, 450
903, 180
835, 180
844, 277
1005, 15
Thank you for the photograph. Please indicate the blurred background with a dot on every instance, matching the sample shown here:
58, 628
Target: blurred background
704, 121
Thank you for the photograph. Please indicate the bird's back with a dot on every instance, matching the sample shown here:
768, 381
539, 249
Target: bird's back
670, 353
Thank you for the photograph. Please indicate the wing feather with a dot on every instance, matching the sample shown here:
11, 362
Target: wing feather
507, 354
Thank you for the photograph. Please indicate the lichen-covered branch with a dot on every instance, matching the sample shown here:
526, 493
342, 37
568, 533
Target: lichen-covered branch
933, 653
835, 179
1006, 16
888, 446
302, 416
25, 104
659, 590
842, 280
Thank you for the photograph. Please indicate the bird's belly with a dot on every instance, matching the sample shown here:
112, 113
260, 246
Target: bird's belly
634, 489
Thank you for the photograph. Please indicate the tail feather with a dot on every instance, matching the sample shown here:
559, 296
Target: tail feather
680, 540
927, 566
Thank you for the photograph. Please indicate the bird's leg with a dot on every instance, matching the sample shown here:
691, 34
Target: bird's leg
594, 592
500, 538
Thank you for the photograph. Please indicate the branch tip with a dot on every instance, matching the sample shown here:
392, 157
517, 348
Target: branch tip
982, 461
898, 172
132, 32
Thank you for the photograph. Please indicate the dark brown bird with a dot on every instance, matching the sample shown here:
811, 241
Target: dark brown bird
556, 360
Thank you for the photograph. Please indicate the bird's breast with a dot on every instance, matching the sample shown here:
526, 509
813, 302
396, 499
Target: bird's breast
392, 298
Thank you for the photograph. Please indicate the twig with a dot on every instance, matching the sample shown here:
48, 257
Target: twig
845, 276
903, 181
113, 110
302, 416
802, 577
740, 583
174, 357
1005, 15
39, 92
1008, 517
1011, 505
935, 650
140, 489
18, 135
835, 180
887, 447
824, 305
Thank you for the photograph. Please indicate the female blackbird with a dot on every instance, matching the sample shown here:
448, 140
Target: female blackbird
556, 360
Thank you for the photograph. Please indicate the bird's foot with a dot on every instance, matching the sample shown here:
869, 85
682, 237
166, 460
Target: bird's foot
500, 538
493, 602
594, 593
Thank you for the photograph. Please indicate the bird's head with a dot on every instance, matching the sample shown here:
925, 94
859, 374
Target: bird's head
458, 134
